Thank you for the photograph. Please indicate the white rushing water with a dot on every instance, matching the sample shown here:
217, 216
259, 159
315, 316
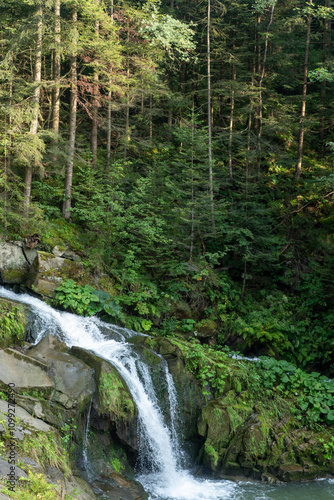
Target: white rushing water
159, 444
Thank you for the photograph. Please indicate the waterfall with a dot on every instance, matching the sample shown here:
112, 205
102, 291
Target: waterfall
85, 441
159, 444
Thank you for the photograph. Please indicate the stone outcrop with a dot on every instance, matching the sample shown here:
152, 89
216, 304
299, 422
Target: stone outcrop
53, 270
18, 264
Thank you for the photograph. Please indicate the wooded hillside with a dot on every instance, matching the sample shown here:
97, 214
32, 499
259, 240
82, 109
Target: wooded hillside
184, 149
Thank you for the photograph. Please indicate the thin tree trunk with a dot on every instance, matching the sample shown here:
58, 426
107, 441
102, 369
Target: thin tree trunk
230, 140
151, 122
95, 105
109, 126
56, 73
209, 116
303, 107
326, 51
263, 71
36, 106
73, 123
192, 227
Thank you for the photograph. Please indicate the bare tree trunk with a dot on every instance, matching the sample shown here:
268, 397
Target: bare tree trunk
73, 123
326, 50
56, 73
150, 120
263, 71
36, 105
95, 106
209, 116
230, 140
304, 92
109, 126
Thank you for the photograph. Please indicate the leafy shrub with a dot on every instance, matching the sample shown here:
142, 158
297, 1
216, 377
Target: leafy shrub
85, 300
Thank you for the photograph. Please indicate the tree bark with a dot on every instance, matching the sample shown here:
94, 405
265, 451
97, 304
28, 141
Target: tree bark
209, 116
95, 105
67, 205
303, 107
326, 52
56, 73
35, 104
263, 71
230, 127
109, 126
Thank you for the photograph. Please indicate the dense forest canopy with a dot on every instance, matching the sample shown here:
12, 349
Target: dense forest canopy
185, 149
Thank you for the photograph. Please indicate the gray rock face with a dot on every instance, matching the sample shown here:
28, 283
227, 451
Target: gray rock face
24, 372
72, 378
24, 420
17, 264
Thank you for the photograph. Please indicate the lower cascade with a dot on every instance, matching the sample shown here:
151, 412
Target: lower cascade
161, 467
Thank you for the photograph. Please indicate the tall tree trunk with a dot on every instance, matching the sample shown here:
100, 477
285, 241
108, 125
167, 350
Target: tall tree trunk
326, 50
230, 127
109, 125
304, 92
56, 73
263, 72
35, 104
67, 205
209, 116
95, 105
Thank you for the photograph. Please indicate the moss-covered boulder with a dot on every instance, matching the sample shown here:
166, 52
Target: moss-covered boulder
18, 264
53, 270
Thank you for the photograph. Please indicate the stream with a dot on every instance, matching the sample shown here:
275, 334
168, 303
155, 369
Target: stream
166, 477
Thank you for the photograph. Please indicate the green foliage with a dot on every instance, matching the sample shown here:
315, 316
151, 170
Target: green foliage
312, 394
47, 449
68, 429
12, 323
85, 300
36, 486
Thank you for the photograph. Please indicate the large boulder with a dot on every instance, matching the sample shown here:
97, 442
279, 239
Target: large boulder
18, 264
53, 270
73, 380
24, 372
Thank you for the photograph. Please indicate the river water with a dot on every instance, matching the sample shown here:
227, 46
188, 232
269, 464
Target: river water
163, 473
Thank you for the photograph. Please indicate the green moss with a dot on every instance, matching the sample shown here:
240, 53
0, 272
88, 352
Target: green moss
115, 398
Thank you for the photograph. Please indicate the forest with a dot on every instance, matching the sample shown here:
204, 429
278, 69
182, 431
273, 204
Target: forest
183, 148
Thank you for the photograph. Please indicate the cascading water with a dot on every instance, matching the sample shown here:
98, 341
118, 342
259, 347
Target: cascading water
166, 479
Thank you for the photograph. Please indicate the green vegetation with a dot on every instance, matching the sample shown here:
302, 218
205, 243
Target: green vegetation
115, 398
12, 323
85, 300
36, 486
47, 450
309, 396
192, 175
